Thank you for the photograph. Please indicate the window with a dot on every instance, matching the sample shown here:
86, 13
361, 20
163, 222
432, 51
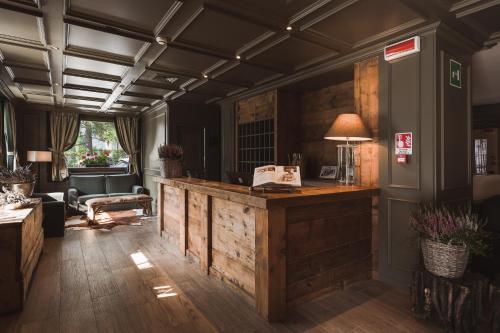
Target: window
97, 146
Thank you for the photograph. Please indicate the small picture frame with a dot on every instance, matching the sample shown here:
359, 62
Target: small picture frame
329, 172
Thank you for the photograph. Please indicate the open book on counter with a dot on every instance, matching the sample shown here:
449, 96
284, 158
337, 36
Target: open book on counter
277, 176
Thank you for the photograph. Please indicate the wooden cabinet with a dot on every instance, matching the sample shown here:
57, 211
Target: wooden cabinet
266, 129
21, 242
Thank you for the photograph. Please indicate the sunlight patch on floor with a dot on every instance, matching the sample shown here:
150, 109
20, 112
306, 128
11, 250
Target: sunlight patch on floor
164, 291
140, 260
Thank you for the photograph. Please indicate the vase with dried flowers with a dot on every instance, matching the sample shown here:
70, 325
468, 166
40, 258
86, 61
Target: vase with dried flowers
13, 200
447, 236
21, 180
170, 160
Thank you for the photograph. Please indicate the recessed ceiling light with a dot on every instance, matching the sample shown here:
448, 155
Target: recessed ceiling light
289, 28
205, 76
160, 40
238, 57
56, 84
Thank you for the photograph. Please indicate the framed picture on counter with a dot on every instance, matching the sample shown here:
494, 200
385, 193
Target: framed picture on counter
329, 172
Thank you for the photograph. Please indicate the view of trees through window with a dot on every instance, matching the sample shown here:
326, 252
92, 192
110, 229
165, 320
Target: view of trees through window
97, 146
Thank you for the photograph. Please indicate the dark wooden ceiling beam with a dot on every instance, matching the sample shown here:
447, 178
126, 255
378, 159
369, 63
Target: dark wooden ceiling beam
465, 8
130, 103
204, 50
17, 7
85, 98
108, 27
91, 75
112, 58
327, 11
142, 95
152, 84
34, 67
32, 81
87, 88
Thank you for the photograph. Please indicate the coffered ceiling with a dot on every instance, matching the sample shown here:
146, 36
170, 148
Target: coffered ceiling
103, 55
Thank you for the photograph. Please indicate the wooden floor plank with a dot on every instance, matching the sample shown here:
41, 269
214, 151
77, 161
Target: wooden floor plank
131, 280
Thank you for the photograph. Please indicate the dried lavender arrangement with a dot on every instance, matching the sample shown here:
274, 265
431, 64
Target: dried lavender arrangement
17, 176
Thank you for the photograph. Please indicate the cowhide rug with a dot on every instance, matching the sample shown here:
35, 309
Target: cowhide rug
108, 220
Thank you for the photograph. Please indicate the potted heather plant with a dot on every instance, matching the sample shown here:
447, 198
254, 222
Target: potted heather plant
21, 180
447, 237
170, 160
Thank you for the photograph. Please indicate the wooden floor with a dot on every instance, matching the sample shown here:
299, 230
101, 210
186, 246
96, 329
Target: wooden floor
128, 280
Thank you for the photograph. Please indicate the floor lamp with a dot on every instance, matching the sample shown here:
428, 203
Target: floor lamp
36, 156
347, 127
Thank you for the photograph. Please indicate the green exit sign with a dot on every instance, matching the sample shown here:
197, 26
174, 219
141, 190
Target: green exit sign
455, 74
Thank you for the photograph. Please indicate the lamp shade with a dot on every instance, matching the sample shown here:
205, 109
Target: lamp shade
39, 156
348, 127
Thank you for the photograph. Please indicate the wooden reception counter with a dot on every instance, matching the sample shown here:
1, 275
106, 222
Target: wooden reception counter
273, 248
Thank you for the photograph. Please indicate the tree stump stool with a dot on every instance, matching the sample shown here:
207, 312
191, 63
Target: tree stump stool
459, 305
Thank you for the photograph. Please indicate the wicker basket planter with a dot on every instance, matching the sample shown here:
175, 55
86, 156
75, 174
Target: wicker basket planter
170, 168
444, 260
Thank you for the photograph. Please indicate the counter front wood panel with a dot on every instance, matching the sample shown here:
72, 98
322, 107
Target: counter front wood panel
233, 243
21, 242
274, 249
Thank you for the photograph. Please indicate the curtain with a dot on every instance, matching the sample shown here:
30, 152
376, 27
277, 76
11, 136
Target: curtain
128, 135
64, 128
12, 125
3, 105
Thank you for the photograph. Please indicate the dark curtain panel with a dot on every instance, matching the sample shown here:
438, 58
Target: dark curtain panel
127, 130
64, 129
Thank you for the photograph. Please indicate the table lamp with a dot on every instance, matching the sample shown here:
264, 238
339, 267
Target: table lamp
347, 127
38, 156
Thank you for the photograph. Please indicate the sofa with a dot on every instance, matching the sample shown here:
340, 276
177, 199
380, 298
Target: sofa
54, 213
85, 187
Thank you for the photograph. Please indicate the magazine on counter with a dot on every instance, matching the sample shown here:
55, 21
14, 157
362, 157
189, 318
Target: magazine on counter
277, 176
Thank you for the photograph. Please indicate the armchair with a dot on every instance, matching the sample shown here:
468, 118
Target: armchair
54, 213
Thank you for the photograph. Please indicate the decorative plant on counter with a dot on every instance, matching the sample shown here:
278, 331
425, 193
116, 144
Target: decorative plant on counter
12, 199
170, 151
18, 176
448, 235
171, 160
97, 159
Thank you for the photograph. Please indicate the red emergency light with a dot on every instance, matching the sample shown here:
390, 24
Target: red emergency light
401, 49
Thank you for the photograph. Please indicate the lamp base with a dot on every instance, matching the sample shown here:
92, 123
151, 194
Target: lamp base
346, 163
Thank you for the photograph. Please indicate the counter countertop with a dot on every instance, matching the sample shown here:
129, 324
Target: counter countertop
315, 192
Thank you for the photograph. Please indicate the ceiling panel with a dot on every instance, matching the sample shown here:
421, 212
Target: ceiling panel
212, 88
102, 41
147, 90
26, 73
19, 25
210, 26
88, 82
358, 21
23, 55
74, 101
35, 88
124, 107
134, 99
83, 93
144, 14
173, 80
95, 66
43, 99
293, 52
281, 8
490, 18
185, 61
246, 72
